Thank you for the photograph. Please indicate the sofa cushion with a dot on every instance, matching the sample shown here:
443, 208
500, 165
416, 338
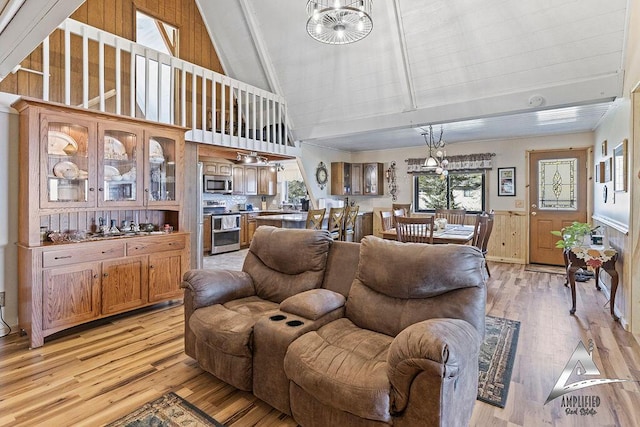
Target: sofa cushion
416, 270
284, 262
229, 327
344, 367
313, 304
399, 284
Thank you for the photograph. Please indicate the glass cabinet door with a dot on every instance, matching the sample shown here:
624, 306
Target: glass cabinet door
68, 158
119, 166
161, 186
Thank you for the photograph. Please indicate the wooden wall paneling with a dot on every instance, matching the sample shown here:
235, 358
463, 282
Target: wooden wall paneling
508, 238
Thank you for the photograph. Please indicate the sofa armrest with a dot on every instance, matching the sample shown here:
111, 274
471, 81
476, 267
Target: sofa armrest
443, 346
208, 287
313, 304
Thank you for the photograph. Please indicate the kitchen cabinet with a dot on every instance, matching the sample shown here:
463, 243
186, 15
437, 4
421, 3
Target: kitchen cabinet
267, 181
356, 179
364, 226
238, 179
78, 168
251, 226
244, 232
206, 234
341, 179
373, 179
251, 180
222, 169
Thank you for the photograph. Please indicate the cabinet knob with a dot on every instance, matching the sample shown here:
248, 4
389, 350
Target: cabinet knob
100, 189
105, 274
146, 190
95, 276
151, 266
92, 189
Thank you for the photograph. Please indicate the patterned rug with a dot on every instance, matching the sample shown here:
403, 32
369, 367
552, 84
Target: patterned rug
168, 410
496, 360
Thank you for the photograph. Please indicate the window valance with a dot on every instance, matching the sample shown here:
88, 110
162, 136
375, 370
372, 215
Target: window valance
461, 162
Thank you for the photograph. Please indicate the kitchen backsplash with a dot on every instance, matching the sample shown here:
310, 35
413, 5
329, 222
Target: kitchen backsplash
232, 201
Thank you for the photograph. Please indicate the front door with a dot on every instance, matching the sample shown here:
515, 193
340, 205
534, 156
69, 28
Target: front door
558, 197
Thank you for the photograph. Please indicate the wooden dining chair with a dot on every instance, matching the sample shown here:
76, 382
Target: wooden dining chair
405, 206
336, 219
349, 227
453, 216
397, 213
482, 233
416, 230
386, 218
315, 218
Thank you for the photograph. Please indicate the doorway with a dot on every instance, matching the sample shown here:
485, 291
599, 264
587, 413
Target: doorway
558, 196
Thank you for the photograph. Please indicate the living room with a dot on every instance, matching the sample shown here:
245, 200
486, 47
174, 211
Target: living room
510, 242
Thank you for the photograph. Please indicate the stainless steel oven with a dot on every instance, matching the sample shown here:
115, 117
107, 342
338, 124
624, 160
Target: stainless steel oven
225, 233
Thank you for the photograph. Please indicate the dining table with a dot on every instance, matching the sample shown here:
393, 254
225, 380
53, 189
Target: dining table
452, 233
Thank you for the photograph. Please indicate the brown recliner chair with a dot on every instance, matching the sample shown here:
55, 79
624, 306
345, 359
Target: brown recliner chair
222, 306
406, 352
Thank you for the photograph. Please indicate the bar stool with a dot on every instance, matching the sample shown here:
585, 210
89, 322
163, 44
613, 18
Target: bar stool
349, 227
336, 219
315, 218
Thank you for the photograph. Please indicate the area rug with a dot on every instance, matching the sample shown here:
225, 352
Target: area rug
496, 359
168, 410
541, 268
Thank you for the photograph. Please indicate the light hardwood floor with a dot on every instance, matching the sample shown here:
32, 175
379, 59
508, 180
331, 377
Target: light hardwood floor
95, 375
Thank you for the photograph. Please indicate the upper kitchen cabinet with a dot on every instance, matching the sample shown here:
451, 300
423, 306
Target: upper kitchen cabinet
267, 181
349, 179
341, 178
221, 169
373, 174
251, 180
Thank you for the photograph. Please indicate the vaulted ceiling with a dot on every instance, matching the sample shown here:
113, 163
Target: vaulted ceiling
484, 69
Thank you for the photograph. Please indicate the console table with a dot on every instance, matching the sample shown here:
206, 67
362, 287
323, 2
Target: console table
595, 257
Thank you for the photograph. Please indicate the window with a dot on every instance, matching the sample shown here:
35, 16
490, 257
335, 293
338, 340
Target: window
459, 190
162, 37
296, 190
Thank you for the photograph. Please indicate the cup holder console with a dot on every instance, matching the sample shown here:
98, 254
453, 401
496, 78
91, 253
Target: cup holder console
277, 317
294, 323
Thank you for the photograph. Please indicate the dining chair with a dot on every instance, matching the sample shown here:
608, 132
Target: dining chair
336, 218
453, 216
349, 228
386, 218
397, 213
405, 206
416, 230
482, 233
315, 218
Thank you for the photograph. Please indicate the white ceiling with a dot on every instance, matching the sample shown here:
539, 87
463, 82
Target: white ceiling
489, 63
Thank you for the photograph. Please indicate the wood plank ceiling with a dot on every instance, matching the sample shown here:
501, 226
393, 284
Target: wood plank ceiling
491, 64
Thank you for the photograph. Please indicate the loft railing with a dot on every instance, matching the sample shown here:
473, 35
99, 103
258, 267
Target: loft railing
140, 82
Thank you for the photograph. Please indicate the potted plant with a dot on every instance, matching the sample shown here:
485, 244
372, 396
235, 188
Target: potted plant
573, 235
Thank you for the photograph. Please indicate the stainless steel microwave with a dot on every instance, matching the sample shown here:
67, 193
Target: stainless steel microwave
217, 184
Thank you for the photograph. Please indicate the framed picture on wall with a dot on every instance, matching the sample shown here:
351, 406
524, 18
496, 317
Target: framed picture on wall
620, 167
608, 166
600, 172
506, 181
604, 148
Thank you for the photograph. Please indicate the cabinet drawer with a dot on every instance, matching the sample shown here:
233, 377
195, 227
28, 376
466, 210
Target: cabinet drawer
84, 254
157, 244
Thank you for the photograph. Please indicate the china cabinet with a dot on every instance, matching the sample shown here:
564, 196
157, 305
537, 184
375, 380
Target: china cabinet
93, 180
373, 179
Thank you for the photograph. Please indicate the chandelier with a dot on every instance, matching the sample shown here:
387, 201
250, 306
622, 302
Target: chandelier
339, 21
436, 161
251, 157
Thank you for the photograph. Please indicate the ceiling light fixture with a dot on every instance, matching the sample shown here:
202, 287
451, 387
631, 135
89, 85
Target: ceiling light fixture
437, 159
251, 157
339, 21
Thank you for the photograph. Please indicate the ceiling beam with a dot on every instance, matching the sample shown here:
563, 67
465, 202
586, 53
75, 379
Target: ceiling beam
400, 45
600, 89
31, 24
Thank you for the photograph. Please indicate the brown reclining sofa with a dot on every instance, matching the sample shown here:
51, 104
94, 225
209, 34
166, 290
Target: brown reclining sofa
376, 333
